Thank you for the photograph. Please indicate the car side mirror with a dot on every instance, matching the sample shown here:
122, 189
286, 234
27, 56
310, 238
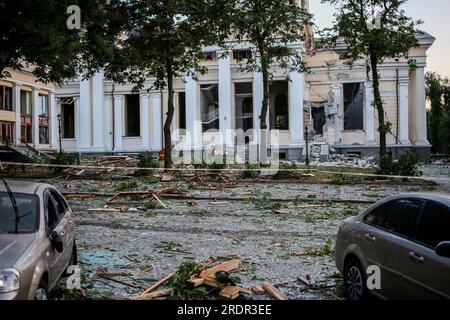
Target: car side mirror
443, 249
56, 241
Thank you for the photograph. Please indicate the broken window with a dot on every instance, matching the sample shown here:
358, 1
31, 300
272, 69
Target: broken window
319, 120
68, 119
353, 106
210, 56
26, 113
6, 98
244, 105
182, 110
132, 116
43, 119
279, 112
209, 106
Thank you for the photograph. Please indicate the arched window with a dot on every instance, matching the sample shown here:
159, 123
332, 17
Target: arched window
281, 112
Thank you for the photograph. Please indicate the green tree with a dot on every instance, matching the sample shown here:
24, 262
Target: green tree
375, 30
35, 33
165, 41
275, 28
438, 93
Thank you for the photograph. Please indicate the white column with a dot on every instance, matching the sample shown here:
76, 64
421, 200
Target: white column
76, 104
53, 122
84, 115
296, 97
98, 111
339, 116
420, 117
35, 121
118, 128
225, 114
370, 114
193, 119
156, 130
404, 113
108, 129
18, 131
145, 124
258, 97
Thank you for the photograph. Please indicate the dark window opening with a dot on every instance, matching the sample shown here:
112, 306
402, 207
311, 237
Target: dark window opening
182, 110
434, 226
27, 205
26, 112
43, 119
210, 56
353, 106
132, 116
399, 217
6, 102
68, 120
209, 106
240, 55
319, 119
279, 105
244, 106
6, 132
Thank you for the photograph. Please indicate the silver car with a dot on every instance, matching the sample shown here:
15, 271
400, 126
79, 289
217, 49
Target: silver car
37, 240
406, 239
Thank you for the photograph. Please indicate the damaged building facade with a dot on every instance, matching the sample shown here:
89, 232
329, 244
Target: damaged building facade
331, 101
28, 115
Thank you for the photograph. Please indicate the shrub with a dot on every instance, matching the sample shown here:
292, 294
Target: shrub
64, 158
406, 165
127, 185
146, 160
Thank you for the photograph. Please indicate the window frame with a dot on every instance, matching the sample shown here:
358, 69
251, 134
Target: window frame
48, 194
390, 231
126, 116
416, 240
363, 109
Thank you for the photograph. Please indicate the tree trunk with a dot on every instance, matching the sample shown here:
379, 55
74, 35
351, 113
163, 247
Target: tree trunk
170, 113
382, 127
264, 109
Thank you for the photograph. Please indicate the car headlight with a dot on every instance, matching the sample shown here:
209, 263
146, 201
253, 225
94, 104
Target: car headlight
9, 280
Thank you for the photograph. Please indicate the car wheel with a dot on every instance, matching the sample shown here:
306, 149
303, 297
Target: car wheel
355, 281
42, 291
73, 260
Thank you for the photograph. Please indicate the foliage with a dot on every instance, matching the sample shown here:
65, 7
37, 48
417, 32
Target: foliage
374, 30
249, 172
64, 158
127, 185
146, 160
180, 282
264, 202
36, 34
438, 93
406, 165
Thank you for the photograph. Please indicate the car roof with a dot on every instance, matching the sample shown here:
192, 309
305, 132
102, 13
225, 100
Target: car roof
442, 198
23, 187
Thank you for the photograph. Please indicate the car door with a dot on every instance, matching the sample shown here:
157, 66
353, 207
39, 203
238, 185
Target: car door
387, 238
427, 275
54, 258
66, 225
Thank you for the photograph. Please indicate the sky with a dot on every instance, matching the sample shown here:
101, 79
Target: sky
436, 17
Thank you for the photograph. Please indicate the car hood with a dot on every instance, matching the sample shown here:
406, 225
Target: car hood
12, 247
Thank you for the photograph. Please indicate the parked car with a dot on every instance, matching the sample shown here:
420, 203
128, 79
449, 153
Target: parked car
37, 240
408, 238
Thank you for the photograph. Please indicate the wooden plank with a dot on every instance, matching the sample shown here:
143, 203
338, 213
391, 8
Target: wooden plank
158, 284
197, 281
156, 295
274, 292
226, 266
259, 291
230, 292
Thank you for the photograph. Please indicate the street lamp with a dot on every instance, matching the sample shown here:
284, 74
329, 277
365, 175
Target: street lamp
60, 133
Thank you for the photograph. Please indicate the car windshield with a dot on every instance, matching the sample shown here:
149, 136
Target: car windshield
28, 212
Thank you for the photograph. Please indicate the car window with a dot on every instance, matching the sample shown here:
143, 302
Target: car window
51, 211
59, 203
399, 216
434, 226
28, 206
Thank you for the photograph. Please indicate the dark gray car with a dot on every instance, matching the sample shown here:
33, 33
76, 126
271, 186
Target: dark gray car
407, 237
37, 240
